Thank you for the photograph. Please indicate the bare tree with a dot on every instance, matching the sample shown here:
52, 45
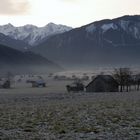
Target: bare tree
137, 81
123, 77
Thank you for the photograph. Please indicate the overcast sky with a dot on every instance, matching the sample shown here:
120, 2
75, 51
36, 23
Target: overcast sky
74, 13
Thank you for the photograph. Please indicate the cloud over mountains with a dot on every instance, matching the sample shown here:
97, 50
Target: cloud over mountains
14, 7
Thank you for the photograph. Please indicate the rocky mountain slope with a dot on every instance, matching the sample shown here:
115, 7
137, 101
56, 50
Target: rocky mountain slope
106, 42
31, 34
15, 44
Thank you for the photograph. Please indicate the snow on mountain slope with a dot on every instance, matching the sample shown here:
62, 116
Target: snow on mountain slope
130, 25
106, 42
106, 27
31, 34
91, 28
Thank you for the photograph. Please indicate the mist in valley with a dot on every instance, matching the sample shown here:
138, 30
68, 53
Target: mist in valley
64, 83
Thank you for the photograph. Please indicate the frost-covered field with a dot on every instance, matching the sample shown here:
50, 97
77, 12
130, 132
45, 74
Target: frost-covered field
73, 116
51, 113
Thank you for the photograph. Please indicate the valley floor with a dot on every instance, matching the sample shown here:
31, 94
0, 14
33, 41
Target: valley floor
51, 113
37, 115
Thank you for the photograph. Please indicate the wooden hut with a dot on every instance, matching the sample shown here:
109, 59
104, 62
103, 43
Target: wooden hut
103, 83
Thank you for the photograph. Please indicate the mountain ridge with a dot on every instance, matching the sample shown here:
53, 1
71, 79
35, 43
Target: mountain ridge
12, 43
119, 37
24, 62
31, 34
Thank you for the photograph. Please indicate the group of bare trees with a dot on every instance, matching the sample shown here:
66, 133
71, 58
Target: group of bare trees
126, 79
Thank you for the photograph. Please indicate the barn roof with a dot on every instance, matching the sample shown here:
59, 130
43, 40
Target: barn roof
106, 78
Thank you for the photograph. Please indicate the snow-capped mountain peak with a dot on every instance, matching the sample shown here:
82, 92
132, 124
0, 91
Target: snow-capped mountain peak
31, 34
9, 25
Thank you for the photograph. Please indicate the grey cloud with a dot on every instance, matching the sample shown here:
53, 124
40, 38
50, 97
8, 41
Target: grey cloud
14, 7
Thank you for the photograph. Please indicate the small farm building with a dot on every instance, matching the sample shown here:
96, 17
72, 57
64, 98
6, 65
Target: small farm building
103, 83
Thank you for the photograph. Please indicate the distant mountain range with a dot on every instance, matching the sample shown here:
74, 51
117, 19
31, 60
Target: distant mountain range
32, 35
24, 62
105, 42
101, 43
15, 44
